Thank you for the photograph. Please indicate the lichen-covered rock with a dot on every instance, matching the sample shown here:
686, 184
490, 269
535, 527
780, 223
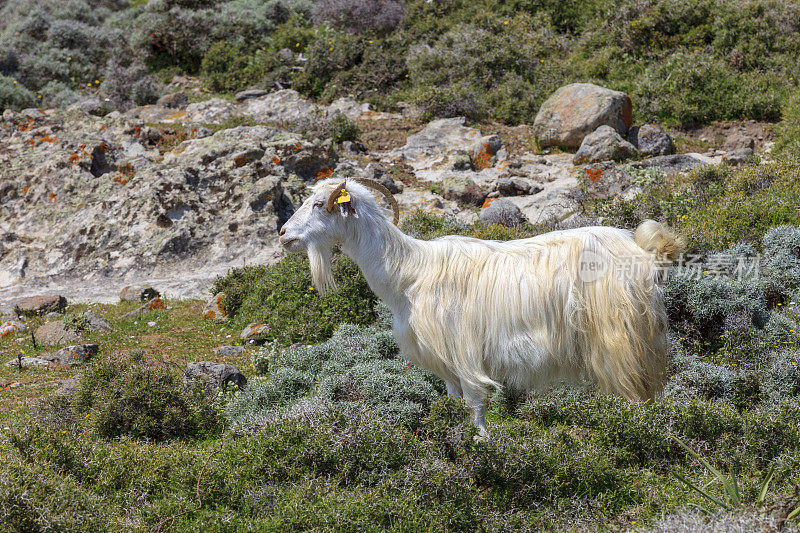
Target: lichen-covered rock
574, 111
676, 163
212, 111
40, 305
12, 327
285, 106
241, 96
464, 190
152, 305
254, 333
72, 355
502, 212
738, 141
95, 322
173, 100
221, 375
138, 294
214, 310
604, 144
651, 140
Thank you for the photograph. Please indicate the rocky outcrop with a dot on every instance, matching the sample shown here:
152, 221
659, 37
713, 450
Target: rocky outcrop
574, 111
502, 212
72, 355
40, 305
52, 333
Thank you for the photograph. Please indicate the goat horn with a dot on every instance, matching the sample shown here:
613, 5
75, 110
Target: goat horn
372, 184
334, 195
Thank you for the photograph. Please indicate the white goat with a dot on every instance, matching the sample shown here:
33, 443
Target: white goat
564, 306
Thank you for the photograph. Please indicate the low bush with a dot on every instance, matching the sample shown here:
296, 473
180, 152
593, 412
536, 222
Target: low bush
359, 16
282, 297
355, 368
136, 399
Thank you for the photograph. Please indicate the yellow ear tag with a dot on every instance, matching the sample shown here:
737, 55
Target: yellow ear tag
344, 197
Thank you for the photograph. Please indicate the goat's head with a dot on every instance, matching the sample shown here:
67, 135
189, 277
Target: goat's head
324, 220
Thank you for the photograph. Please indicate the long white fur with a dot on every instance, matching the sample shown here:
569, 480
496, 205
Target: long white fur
482, 314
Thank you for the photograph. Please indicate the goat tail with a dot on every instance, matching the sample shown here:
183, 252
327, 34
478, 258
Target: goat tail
659, 240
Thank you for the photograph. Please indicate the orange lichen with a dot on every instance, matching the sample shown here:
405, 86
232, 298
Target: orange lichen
594, 174
240, 160
484, 158
53, 197
25, 190
157, 304
324, 173
276, 161
488, 202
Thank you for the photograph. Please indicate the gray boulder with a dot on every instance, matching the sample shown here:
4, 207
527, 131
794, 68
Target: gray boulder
502, 212
173, 100
604, 144
229, 351
464, 190
72, 355
671, 164
651, 139
738, 141
96, 322
28, 362
254, 332
737, 157
241, 96
574, 111
219, 374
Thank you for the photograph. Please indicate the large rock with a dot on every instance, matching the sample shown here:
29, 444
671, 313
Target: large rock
214, 310
229, 351
651, 140
53, 333
152, 305
739, 141
40, 305
464, 190
28, 362
285, 106
212, 111
604, 144
72, 355
220, 375
95, 322
502, 212
574, 111
173, 100
737, 157
138, 294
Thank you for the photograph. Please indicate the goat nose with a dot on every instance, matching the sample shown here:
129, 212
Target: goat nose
283, 230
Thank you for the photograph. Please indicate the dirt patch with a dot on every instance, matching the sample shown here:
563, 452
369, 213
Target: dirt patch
387, 134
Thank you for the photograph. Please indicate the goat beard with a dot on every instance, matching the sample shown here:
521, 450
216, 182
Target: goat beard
319, 258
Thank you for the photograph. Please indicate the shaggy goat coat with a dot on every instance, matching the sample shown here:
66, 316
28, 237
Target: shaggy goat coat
573, 305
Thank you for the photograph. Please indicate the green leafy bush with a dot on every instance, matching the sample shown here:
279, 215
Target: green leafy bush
342, 129
137, 399
13, 95
282, 297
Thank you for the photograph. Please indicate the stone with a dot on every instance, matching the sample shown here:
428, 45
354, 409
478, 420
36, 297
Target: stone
39, 305
604, 144
12, 327
254, 333
246, 157
177, 100
52, 333
69, 386
502, 212
90, 106
651, 140
309, 161
348, 107
443, 140
249, 93
214, 309
138, 294
220, 375
151, 305
515, 187
213, 111
738, 141
677, 163
28, 362
376, 173
72, 355
574, 111
285, 106
229, 351
285, 55
737, 157
95, 322
464, 190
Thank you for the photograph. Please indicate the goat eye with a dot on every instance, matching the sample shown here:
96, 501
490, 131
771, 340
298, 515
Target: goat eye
318, 203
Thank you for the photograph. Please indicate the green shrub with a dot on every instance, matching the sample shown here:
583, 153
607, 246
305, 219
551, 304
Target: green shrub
282, 297
342, 129
14, 95
355, 368
142, 400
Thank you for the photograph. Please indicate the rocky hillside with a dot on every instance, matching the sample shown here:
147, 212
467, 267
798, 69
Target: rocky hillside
177, 193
